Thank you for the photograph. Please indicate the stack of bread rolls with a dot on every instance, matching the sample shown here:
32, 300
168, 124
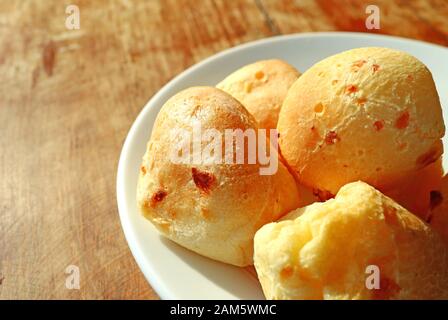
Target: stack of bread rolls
358, 189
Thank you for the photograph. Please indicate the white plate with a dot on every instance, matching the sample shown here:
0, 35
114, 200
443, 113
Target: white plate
174, 272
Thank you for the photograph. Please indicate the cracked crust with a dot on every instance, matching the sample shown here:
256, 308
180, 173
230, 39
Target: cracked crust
322, 251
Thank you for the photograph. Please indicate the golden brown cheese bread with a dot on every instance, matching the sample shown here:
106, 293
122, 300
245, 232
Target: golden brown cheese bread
327, 250
370, 114
212, 209
261, 87
438, 218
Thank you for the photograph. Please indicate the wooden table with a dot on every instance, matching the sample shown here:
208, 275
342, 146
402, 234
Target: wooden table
69, 97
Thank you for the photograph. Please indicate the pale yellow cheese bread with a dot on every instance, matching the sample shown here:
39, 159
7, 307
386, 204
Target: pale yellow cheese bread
261, 87
326, 250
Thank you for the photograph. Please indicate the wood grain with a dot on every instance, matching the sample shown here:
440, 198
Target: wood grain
418, 19
68, 98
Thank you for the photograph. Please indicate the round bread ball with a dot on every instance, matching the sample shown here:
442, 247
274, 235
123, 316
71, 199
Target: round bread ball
370, 114
209, 207
360, 245
261, 87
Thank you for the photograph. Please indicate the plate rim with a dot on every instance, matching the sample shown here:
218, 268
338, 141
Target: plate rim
136, 249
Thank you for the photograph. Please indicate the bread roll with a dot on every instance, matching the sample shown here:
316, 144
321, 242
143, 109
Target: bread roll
438, 218
212, 209
413, 191
327, 251
370, 114
261, 87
